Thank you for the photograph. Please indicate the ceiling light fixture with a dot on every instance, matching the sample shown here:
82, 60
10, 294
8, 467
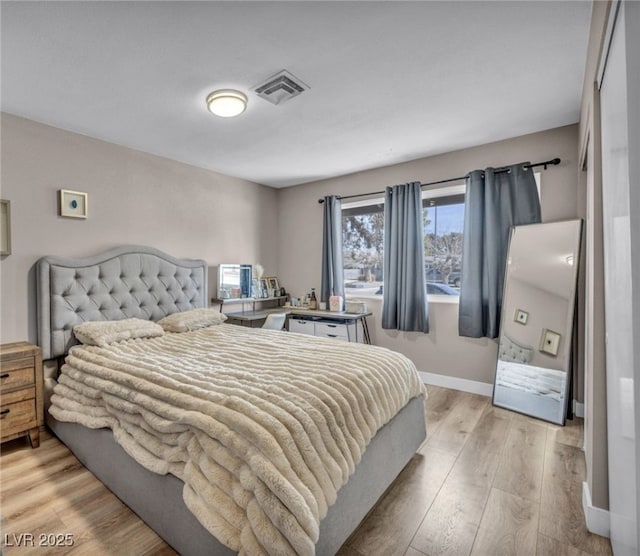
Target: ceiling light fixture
226, 103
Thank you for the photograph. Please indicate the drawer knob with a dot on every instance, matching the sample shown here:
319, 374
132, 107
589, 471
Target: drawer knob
4, 375
332, 335
5, 412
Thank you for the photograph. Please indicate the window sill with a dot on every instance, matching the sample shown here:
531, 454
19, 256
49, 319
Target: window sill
448, 299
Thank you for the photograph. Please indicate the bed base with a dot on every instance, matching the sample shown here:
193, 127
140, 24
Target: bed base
157, 499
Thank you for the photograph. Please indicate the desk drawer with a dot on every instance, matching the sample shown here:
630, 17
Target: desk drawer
330, 330
302, 326
21, 375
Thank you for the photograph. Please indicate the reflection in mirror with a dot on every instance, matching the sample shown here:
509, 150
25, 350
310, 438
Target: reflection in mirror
534, 353
234, 281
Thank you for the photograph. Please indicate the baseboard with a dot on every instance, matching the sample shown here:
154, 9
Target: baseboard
456, 383
578, 409
597, 519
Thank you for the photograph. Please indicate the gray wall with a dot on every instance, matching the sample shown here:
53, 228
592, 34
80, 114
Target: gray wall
134, 198
441, 351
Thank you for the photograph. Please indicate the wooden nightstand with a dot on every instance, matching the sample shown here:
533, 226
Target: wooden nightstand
21, 409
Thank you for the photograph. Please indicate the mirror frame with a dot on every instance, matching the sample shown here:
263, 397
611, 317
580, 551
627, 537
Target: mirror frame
549, 343
245, 281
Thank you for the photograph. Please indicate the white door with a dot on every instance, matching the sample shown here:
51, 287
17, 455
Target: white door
621, 254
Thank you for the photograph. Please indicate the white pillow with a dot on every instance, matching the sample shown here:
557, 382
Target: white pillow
192, 320
105, 332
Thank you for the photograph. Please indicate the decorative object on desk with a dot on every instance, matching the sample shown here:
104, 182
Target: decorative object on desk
272, 282
356, 307
335, 303
549, 342
521, 316
246, 279
235, 280
258, 271
313, 300
264, 287
5, 227
73, 204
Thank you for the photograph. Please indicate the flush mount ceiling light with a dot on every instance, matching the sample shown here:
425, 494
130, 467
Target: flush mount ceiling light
226, 103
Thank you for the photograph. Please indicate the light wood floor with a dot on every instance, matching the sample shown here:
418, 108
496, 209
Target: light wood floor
486, 482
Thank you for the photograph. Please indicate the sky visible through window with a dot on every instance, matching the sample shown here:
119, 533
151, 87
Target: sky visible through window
450, 219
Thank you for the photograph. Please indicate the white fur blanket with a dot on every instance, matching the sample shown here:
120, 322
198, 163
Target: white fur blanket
263, 427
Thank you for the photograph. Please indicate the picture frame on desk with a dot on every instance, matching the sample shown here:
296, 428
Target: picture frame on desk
272, 283
264, 288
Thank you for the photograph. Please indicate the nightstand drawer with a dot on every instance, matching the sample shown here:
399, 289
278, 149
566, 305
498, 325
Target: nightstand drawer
21, 409
17, 417
19, 377
335, 331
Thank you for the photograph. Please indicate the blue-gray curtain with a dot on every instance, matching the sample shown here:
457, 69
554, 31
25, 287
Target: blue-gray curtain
332, 274
494, 202
404, 304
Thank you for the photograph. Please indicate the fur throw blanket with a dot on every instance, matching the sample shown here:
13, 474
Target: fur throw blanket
263, 427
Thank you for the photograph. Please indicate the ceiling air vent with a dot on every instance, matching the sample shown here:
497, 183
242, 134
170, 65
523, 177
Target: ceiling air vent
280, 87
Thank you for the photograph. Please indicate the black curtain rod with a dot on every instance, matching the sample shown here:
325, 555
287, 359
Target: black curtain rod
553, 162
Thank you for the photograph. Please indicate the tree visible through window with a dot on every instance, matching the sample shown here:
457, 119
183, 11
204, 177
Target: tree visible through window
443, 225
363, 244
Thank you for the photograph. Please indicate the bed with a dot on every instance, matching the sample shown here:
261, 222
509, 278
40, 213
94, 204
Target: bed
144, 283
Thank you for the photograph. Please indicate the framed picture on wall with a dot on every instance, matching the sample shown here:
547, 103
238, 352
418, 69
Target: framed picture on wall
549, 342
73, 204
521, 316
5, 227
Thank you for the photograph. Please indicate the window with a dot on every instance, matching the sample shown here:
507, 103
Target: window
443, 214
363, 242
363, 246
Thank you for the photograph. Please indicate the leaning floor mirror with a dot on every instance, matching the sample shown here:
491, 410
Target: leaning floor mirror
534, 351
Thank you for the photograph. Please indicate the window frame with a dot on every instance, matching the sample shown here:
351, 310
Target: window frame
448, 190
445, 190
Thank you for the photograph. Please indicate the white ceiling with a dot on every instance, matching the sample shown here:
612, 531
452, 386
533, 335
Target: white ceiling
390, 81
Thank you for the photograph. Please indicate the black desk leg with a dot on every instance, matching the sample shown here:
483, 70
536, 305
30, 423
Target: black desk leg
365, 331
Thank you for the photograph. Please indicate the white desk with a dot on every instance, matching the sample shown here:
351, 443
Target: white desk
254, 318
335, 317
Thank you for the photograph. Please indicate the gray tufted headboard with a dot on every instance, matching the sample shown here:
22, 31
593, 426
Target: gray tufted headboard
125, 282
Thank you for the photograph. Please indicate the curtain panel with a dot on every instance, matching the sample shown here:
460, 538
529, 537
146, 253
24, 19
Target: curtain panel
404, 304
332, 282
495, 201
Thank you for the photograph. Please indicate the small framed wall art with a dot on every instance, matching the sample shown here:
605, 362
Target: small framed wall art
73, 204
5, 227
521, 316
549, 342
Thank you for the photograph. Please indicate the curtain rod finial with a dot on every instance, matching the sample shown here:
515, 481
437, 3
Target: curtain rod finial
555, 162
320, 201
